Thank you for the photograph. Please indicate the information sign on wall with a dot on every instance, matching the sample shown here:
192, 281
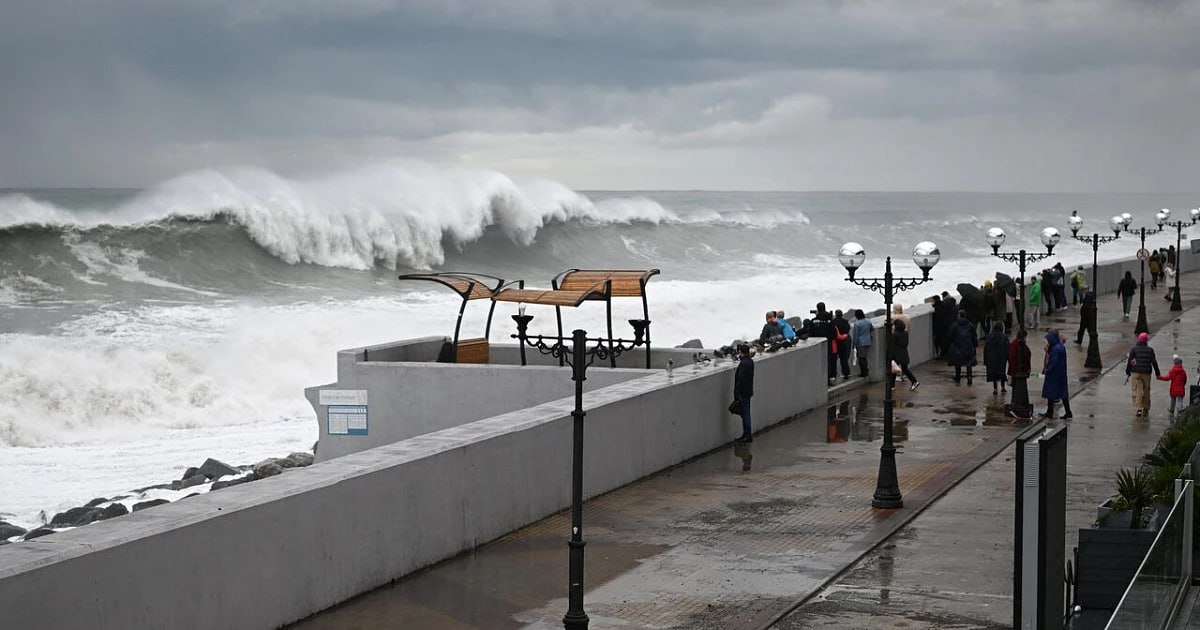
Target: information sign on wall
346, 420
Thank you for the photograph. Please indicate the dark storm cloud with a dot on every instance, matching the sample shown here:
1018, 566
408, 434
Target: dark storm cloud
116, 92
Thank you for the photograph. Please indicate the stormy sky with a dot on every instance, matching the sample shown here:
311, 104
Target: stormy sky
1002, 95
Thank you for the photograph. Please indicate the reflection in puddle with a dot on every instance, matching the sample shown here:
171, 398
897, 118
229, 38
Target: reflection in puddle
743, 452
843, 424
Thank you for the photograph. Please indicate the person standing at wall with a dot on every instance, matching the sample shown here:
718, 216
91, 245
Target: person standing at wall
841, 338
1177, 377
1169, 279
995, 358
1127, 289
898, 315
1054, 376
900, 355
862, 333
743, 390
1141, 362
1034, 310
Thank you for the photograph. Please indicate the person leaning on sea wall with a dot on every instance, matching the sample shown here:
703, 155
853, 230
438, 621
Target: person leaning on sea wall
842, 338
1138, 368
900, 355
743, 390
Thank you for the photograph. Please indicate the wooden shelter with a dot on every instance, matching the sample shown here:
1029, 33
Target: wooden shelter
468, 286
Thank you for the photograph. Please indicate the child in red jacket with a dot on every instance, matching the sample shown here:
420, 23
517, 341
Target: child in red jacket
1178, 378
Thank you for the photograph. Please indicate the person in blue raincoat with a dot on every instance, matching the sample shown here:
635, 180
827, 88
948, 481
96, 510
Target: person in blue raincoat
1054, 373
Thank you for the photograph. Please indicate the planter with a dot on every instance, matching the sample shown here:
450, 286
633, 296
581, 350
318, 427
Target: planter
1108, 518
1106, 560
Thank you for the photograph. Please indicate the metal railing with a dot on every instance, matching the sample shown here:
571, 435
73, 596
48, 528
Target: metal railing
1161, 583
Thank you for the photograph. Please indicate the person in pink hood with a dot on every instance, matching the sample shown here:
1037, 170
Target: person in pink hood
1177, 376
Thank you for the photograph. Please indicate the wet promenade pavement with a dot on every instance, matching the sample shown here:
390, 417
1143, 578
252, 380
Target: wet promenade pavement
740, 537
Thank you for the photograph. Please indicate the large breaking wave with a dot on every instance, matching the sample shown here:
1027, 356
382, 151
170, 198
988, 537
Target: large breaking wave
388, 215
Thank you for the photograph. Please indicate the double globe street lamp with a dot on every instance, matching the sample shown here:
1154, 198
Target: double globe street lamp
852, 255
1143, 255
1117, 225
1020, 407
1193, 216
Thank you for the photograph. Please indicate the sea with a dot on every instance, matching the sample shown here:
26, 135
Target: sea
144, 330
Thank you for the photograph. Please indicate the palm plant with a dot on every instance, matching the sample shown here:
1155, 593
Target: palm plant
1135, 492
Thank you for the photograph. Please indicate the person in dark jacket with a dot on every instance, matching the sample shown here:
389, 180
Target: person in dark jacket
1138, 368
822, 328
841, 329
938, 323
949, 316
743, 390
963, 344
1054, 372
995, 357
900, 355
1019, 366
1126, 290
1087, 316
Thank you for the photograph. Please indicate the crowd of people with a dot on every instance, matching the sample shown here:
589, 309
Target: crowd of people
960, 325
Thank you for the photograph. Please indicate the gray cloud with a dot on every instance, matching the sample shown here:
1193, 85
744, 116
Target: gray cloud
853, 94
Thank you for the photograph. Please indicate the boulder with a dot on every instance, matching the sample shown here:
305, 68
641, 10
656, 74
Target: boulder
194, 480
299, 460
95, 502
76, 516
691, 343
268, 468
190, 472
212, 469
8, 530
38, 533
233, 482
113, 511
137, 507
796, 323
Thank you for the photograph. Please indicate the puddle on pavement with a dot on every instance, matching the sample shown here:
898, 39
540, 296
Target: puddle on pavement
485, 588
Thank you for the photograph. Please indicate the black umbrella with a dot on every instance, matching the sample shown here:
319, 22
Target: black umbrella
1005, 283
970, 293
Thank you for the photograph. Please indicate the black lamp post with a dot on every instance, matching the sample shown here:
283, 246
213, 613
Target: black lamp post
580, 356
1020, 407
1142, 325
1194, 215
925, 255
1117, 224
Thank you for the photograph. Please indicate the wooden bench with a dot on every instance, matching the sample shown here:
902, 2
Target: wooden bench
624, 283
473, 351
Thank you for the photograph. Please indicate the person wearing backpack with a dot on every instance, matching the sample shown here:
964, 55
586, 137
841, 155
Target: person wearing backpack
1141, 362
1177, 376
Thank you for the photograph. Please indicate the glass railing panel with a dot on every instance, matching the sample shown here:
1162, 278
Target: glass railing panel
1148, 602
